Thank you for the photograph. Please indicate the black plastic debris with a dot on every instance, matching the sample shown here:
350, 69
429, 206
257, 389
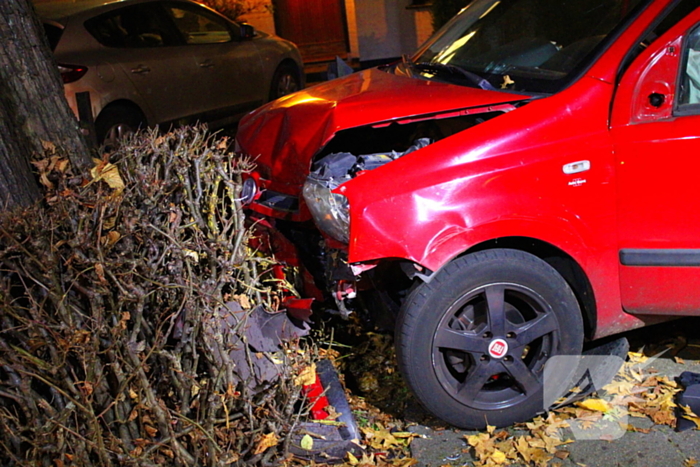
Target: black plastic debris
327, 440
250, 338
596, 368
689, 397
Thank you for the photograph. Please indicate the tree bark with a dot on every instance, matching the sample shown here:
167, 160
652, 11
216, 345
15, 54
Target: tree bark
33, 109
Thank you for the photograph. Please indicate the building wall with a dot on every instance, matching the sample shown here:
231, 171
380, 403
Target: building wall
263, 21
261, 18
423, 25
386, 29
377, 29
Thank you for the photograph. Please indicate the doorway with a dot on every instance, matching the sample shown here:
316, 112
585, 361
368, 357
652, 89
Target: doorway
317, 27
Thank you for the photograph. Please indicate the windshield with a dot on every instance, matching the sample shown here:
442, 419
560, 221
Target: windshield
521, 45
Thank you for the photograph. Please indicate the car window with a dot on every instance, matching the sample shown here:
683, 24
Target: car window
539, 45
689, 94
133, 27
199, 27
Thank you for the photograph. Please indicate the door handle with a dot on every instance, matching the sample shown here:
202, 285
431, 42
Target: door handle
140, 70
206, 64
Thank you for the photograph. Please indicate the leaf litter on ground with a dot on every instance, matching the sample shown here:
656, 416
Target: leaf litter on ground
379, 399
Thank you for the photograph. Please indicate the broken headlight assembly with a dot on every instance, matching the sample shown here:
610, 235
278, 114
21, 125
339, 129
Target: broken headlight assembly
329, 210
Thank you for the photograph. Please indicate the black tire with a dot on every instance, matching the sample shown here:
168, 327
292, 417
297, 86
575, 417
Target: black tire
449, 331
284, 81
115, 122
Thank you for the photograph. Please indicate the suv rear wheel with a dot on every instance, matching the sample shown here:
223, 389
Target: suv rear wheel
473, 342
285, 81
115, 122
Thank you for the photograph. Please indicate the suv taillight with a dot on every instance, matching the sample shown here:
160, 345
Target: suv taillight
71, 73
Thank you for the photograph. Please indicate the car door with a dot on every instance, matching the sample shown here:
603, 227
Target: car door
655, 128
161, 69
229, 66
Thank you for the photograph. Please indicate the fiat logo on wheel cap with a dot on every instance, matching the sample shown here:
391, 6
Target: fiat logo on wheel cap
498, 348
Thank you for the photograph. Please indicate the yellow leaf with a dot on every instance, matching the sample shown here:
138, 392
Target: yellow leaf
306, 376
598, 405
307, 442
191, 254
352, 460
109, 173
690, 415
266, 441
498, 457
111, 238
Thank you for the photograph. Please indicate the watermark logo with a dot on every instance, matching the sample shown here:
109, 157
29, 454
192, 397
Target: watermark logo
587, 374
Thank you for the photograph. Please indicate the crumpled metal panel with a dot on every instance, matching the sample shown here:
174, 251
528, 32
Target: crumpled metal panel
284, 135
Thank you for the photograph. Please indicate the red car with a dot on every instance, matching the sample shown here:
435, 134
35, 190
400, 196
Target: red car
524, 183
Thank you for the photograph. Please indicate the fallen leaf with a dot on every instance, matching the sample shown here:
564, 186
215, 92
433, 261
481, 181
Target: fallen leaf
688, 414
150, 430
352, 460
598, 405
307, 442
306, 376
109, 173
498, 457
266, 441
191, 254
111, 238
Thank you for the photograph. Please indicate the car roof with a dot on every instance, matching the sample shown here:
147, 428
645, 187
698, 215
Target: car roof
57, 10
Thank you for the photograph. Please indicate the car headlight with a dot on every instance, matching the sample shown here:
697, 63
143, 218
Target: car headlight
329, 210
249, 190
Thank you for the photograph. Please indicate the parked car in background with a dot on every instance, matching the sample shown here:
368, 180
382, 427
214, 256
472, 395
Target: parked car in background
524, 182
153, 62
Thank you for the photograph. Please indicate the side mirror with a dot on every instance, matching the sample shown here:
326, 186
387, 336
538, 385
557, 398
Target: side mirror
247, 31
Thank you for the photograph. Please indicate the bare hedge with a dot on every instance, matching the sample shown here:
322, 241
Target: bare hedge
106, 289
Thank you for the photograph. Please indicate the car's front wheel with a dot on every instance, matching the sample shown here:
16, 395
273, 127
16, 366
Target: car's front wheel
473, 342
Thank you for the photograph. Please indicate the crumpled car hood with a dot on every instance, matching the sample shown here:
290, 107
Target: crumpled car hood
284, 135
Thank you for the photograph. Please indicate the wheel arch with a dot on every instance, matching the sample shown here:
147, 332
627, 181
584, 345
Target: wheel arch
288, 62
127, 104
563, 263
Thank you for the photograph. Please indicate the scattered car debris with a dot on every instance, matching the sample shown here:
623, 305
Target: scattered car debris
688, 398
263, 333
334, 433
597, 367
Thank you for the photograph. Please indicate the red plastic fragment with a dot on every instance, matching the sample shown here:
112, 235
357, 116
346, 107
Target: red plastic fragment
319, 402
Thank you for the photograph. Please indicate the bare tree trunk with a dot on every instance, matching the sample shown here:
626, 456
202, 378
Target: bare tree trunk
33, 109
